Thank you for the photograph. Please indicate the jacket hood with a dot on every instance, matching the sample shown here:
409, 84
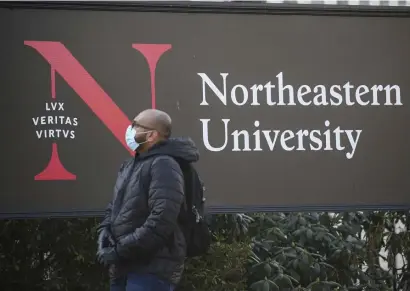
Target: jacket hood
181, 148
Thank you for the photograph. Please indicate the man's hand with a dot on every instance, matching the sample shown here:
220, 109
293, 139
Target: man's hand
105, 239
107, 256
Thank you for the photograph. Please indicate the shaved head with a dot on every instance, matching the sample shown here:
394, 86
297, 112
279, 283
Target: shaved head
154, 119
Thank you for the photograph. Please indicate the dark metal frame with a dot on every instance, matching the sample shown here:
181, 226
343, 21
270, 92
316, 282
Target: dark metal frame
227, 8
242, 7
222, 210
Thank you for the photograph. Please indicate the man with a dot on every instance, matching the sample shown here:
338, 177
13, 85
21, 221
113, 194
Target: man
140, 238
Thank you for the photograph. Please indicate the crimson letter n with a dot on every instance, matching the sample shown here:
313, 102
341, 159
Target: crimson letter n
70, 69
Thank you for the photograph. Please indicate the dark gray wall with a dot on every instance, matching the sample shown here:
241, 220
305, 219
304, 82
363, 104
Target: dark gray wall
253, 49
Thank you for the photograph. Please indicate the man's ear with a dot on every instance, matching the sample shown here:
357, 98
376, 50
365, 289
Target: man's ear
152, 136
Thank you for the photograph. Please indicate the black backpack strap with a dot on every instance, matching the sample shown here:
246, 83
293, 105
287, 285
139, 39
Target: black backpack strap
187, 173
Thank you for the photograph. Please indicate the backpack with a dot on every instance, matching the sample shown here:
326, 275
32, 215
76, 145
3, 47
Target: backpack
191, 216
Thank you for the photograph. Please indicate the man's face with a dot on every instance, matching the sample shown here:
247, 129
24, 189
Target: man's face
146, 134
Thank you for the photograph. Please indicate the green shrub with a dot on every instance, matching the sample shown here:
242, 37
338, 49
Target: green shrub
265, 252
223, 269
59, 254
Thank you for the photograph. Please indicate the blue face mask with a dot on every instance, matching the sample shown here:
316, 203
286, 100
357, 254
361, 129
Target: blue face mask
130, 138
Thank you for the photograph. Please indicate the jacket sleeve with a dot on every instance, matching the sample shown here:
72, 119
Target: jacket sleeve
106, 220
165, 196
107, 215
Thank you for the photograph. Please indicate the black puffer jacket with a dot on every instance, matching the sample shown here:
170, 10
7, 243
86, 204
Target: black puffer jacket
143, 214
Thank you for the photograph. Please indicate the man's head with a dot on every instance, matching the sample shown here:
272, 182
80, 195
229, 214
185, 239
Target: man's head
148, 128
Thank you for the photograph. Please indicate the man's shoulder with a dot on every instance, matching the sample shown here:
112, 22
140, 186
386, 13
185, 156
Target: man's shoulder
163, 160
166, 165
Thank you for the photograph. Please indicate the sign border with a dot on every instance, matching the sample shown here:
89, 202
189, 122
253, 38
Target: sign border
222, 210
243, 7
